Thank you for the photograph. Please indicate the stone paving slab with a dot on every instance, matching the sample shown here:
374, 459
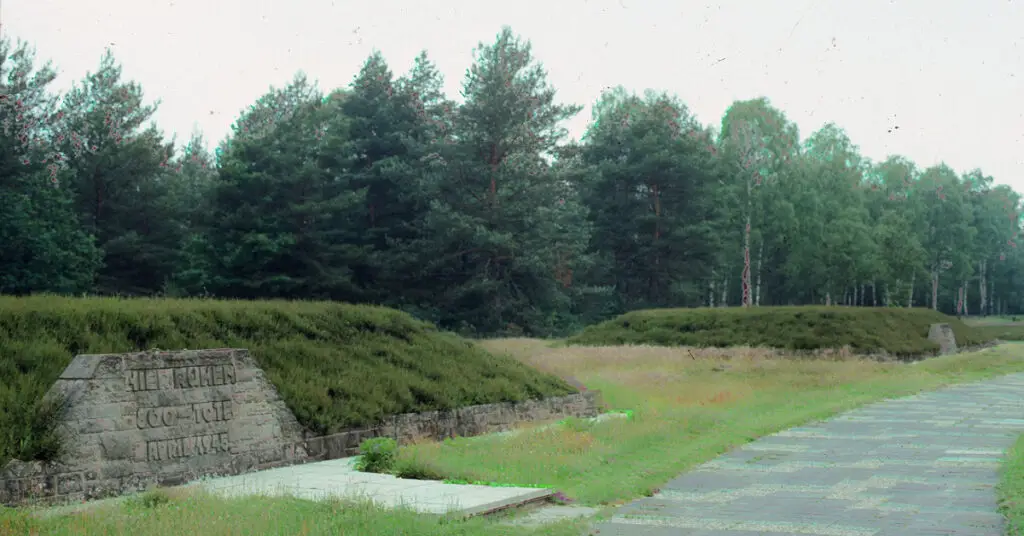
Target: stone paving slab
921, 465
339, 479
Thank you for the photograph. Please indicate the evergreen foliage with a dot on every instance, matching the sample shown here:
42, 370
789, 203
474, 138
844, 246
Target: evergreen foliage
479, 215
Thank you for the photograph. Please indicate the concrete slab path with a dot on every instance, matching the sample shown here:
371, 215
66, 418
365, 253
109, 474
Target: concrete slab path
921, 465
339, 479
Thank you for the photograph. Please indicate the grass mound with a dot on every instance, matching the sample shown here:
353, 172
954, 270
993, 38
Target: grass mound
1003, 333
335, 365
897, 331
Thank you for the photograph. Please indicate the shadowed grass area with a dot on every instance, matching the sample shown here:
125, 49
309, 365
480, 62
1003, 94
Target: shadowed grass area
689, 405
157, 514
335, 365
898, 331
1011, 489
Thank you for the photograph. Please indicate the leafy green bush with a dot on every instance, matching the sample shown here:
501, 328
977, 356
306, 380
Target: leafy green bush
28, 427
335, 365
897, 331
151, 498
377, 455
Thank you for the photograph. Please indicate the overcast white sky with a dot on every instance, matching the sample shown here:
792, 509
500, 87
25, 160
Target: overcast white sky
948, 73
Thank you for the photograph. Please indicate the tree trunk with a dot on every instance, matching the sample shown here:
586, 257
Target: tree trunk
887, 297
966, 309
982, 295
711, 290
935, 289
874, 294
910, 293
828, 298
725, 293
746, 263
760, 256
958, 303
991, 296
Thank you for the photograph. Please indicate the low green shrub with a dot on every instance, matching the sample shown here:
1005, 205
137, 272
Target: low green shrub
898, 331
28, 427
151, 498
336, 366
377, 455
410, 464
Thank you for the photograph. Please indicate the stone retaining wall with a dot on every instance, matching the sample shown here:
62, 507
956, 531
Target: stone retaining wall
136, 420
464, 422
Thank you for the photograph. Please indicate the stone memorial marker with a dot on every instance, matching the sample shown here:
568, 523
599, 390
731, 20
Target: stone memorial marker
133, 420
130, 421
942, 335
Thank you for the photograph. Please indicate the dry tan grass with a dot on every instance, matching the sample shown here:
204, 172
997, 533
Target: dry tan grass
682, 376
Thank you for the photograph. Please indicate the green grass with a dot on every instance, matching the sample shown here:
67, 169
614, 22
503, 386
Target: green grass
686, 411
687, 406
991, 320
1011, 489
335, 365
264, 516
898, 331
1003, 332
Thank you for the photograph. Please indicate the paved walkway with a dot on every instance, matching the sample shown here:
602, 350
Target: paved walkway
921, 465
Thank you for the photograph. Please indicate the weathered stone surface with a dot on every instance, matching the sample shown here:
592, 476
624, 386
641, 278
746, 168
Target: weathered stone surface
133, 420
136, 420
942, 335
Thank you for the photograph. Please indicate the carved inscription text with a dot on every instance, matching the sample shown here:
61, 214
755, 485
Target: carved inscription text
201, 413
185, 416
186, 447
180, 377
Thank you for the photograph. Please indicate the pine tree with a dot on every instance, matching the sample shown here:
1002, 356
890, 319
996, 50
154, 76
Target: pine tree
286, 217
120, 183
499, 226
649, 192
42, 248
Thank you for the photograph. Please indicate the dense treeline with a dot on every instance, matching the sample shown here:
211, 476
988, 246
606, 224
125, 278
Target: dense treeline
479, 215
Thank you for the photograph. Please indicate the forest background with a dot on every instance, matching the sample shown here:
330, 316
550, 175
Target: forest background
479, 215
